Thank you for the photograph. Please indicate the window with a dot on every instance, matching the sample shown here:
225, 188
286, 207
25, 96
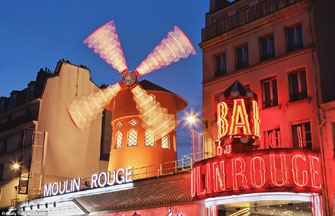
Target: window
302, 136
31, 92
1, 172
132, 137
165, 142
118, 140
12, 101
2, 146
297, 85
2, 105
174, 143
267, 48
242, 56
119, 124
272, 138
221, 65
294, 38
149, 138
14, 142
133, 122
269, 92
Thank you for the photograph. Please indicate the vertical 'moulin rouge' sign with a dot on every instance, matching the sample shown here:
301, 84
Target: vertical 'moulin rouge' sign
237, 119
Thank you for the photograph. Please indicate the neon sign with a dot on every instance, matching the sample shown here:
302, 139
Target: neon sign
241, 122
237, 119
103, 179
259, 171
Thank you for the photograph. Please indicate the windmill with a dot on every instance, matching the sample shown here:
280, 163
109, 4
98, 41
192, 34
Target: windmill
105, 42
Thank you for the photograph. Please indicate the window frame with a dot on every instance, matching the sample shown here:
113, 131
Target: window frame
145, 138
128, 137
168, 142
268, 55
301, 94
244, 58
272, 102
296, 45
118, 133
304, 144
223, 64
277, 133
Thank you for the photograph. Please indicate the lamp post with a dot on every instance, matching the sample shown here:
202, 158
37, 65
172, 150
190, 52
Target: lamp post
197, 138
16, 166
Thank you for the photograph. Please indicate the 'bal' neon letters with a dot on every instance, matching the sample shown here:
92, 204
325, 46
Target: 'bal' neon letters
242, 120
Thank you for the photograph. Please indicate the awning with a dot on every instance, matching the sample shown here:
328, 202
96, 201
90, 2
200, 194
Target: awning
146, 193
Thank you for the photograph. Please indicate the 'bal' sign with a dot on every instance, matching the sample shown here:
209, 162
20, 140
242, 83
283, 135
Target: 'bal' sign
238, 115
261, 171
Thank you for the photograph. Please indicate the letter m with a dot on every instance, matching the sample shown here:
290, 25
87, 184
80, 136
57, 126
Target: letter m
47, 190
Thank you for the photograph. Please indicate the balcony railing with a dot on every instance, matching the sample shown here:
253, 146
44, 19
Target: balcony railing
298, 96
244, 17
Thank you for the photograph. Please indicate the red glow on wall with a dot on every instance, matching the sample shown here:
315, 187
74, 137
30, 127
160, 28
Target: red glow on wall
259, 171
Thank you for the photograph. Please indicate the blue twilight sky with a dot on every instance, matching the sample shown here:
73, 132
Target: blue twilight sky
36, 34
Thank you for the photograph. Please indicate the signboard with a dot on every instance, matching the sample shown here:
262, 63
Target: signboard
259, 171
103, 179
23, 186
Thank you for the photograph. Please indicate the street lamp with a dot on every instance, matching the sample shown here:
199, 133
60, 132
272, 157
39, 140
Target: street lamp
16, 166
193, 117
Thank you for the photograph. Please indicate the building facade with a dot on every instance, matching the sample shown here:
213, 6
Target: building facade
273, 48
37, 133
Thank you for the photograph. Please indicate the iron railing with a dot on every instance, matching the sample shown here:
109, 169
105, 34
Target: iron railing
243, 17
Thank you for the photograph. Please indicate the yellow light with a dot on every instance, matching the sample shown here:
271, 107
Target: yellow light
191, 119
16, 166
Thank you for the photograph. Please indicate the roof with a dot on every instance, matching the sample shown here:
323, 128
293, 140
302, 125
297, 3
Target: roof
181, 103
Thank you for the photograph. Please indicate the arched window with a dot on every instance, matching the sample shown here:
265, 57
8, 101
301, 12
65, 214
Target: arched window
149, 138
118, 140
132, 138
166, 142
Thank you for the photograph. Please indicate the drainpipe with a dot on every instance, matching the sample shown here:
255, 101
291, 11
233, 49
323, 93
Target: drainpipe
320, 122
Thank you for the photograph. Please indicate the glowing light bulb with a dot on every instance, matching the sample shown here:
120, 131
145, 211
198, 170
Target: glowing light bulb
191, 119
16, 166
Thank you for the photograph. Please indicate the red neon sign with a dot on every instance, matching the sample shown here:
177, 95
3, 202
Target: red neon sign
258, 171
242, 119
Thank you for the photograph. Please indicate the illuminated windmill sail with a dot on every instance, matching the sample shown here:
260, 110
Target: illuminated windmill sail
105, 42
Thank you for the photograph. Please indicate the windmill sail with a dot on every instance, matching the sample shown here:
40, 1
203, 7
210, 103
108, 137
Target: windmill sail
172, 48
153, 116
105, 42
86, 109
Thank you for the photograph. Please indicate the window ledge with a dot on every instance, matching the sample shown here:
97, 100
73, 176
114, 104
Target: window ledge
304, 100
273, 107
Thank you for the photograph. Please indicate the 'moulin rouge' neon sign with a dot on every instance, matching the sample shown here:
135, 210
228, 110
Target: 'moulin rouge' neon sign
259, 171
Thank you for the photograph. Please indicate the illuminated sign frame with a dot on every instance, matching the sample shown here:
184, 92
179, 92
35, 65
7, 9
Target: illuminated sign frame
269, 170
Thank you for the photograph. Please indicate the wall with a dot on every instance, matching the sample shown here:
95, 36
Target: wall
68, 153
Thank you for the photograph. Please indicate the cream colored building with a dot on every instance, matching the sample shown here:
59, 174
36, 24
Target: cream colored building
37, 132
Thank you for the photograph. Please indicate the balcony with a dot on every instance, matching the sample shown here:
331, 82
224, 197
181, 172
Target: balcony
244, 17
